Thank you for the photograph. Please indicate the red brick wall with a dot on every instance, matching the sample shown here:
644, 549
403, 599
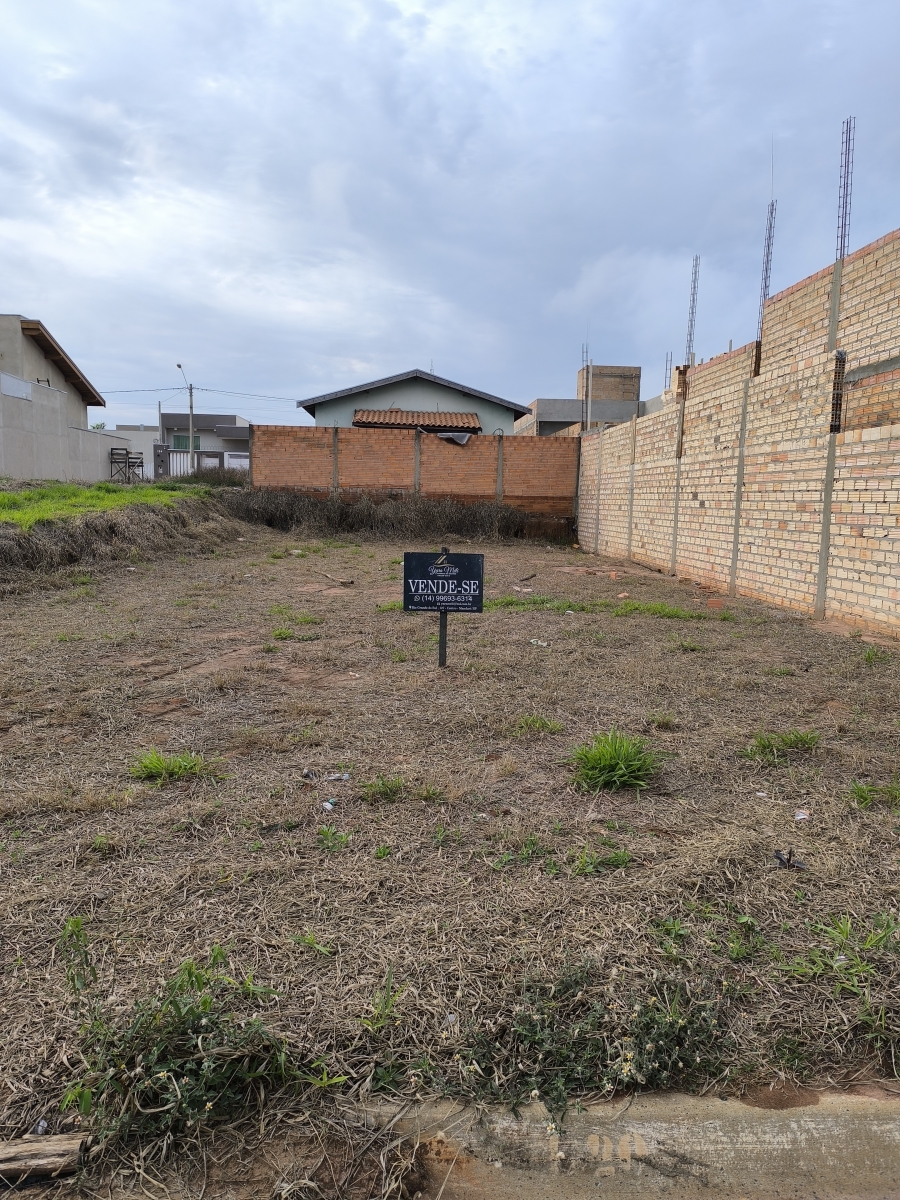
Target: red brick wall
539, 475
779, 517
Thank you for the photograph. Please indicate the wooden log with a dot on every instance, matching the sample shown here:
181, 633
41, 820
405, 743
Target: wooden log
32, 1156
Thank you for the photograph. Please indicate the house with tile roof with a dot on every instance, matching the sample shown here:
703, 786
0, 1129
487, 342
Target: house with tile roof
415, 400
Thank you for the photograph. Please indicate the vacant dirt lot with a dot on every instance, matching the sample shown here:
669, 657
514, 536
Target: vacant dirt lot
487, 868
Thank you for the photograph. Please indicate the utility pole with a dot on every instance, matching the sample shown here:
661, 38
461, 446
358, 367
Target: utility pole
192, 461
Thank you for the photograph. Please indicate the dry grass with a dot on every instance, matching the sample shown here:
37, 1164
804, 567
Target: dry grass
480, 890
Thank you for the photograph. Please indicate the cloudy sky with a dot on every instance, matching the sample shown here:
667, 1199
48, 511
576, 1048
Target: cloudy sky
292, 196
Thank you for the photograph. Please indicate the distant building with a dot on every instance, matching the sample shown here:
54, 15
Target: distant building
44, 400
222, 439
415, 400
615, 397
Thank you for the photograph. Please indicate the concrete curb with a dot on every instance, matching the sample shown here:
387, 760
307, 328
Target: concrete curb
824, 1146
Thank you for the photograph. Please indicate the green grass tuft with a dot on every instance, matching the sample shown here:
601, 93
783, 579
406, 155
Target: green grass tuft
157, 767
656, 608
384, 789
772, 748
625, 608
662, 720
292, 617
533, 723
590, 862
613, 760
866, 794
875, 654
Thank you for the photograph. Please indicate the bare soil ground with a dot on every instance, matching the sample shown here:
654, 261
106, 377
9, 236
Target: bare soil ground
467, 884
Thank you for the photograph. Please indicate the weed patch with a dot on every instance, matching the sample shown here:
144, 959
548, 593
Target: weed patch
330, 839
311, 942
291, 617
668, 612
383, 1004
625, 608
184, 1060
589, 862
569, 1037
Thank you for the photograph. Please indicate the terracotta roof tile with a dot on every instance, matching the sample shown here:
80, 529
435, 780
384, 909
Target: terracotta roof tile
395, 418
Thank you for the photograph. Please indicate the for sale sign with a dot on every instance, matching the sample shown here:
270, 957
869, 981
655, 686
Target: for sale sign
443, 582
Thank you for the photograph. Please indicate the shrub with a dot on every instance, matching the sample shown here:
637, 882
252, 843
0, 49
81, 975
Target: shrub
613, 760
409, 518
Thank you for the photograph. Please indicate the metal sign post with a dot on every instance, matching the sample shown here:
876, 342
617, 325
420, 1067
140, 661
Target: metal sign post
443, 583
442, 638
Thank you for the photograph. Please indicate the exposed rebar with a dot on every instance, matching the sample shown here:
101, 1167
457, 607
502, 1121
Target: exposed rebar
848, 137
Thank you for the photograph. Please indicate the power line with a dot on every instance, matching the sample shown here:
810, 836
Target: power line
213, 391
247, 395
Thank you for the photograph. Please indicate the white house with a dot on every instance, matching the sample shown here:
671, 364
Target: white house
220, 440
415, 400
44, 402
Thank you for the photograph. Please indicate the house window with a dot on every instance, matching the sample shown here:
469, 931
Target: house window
181, 441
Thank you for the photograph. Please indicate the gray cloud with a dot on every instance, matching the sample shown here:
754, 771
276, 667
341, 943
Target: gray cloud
291, 197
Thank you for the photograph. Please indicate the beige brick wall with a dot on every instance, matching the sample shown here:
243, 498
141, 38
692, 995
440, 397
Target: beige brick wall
788, 414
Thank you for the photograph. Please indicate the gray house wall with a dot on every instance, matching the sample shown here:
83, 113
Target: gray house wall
44, 427
38, 440
19, 355
416, 395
